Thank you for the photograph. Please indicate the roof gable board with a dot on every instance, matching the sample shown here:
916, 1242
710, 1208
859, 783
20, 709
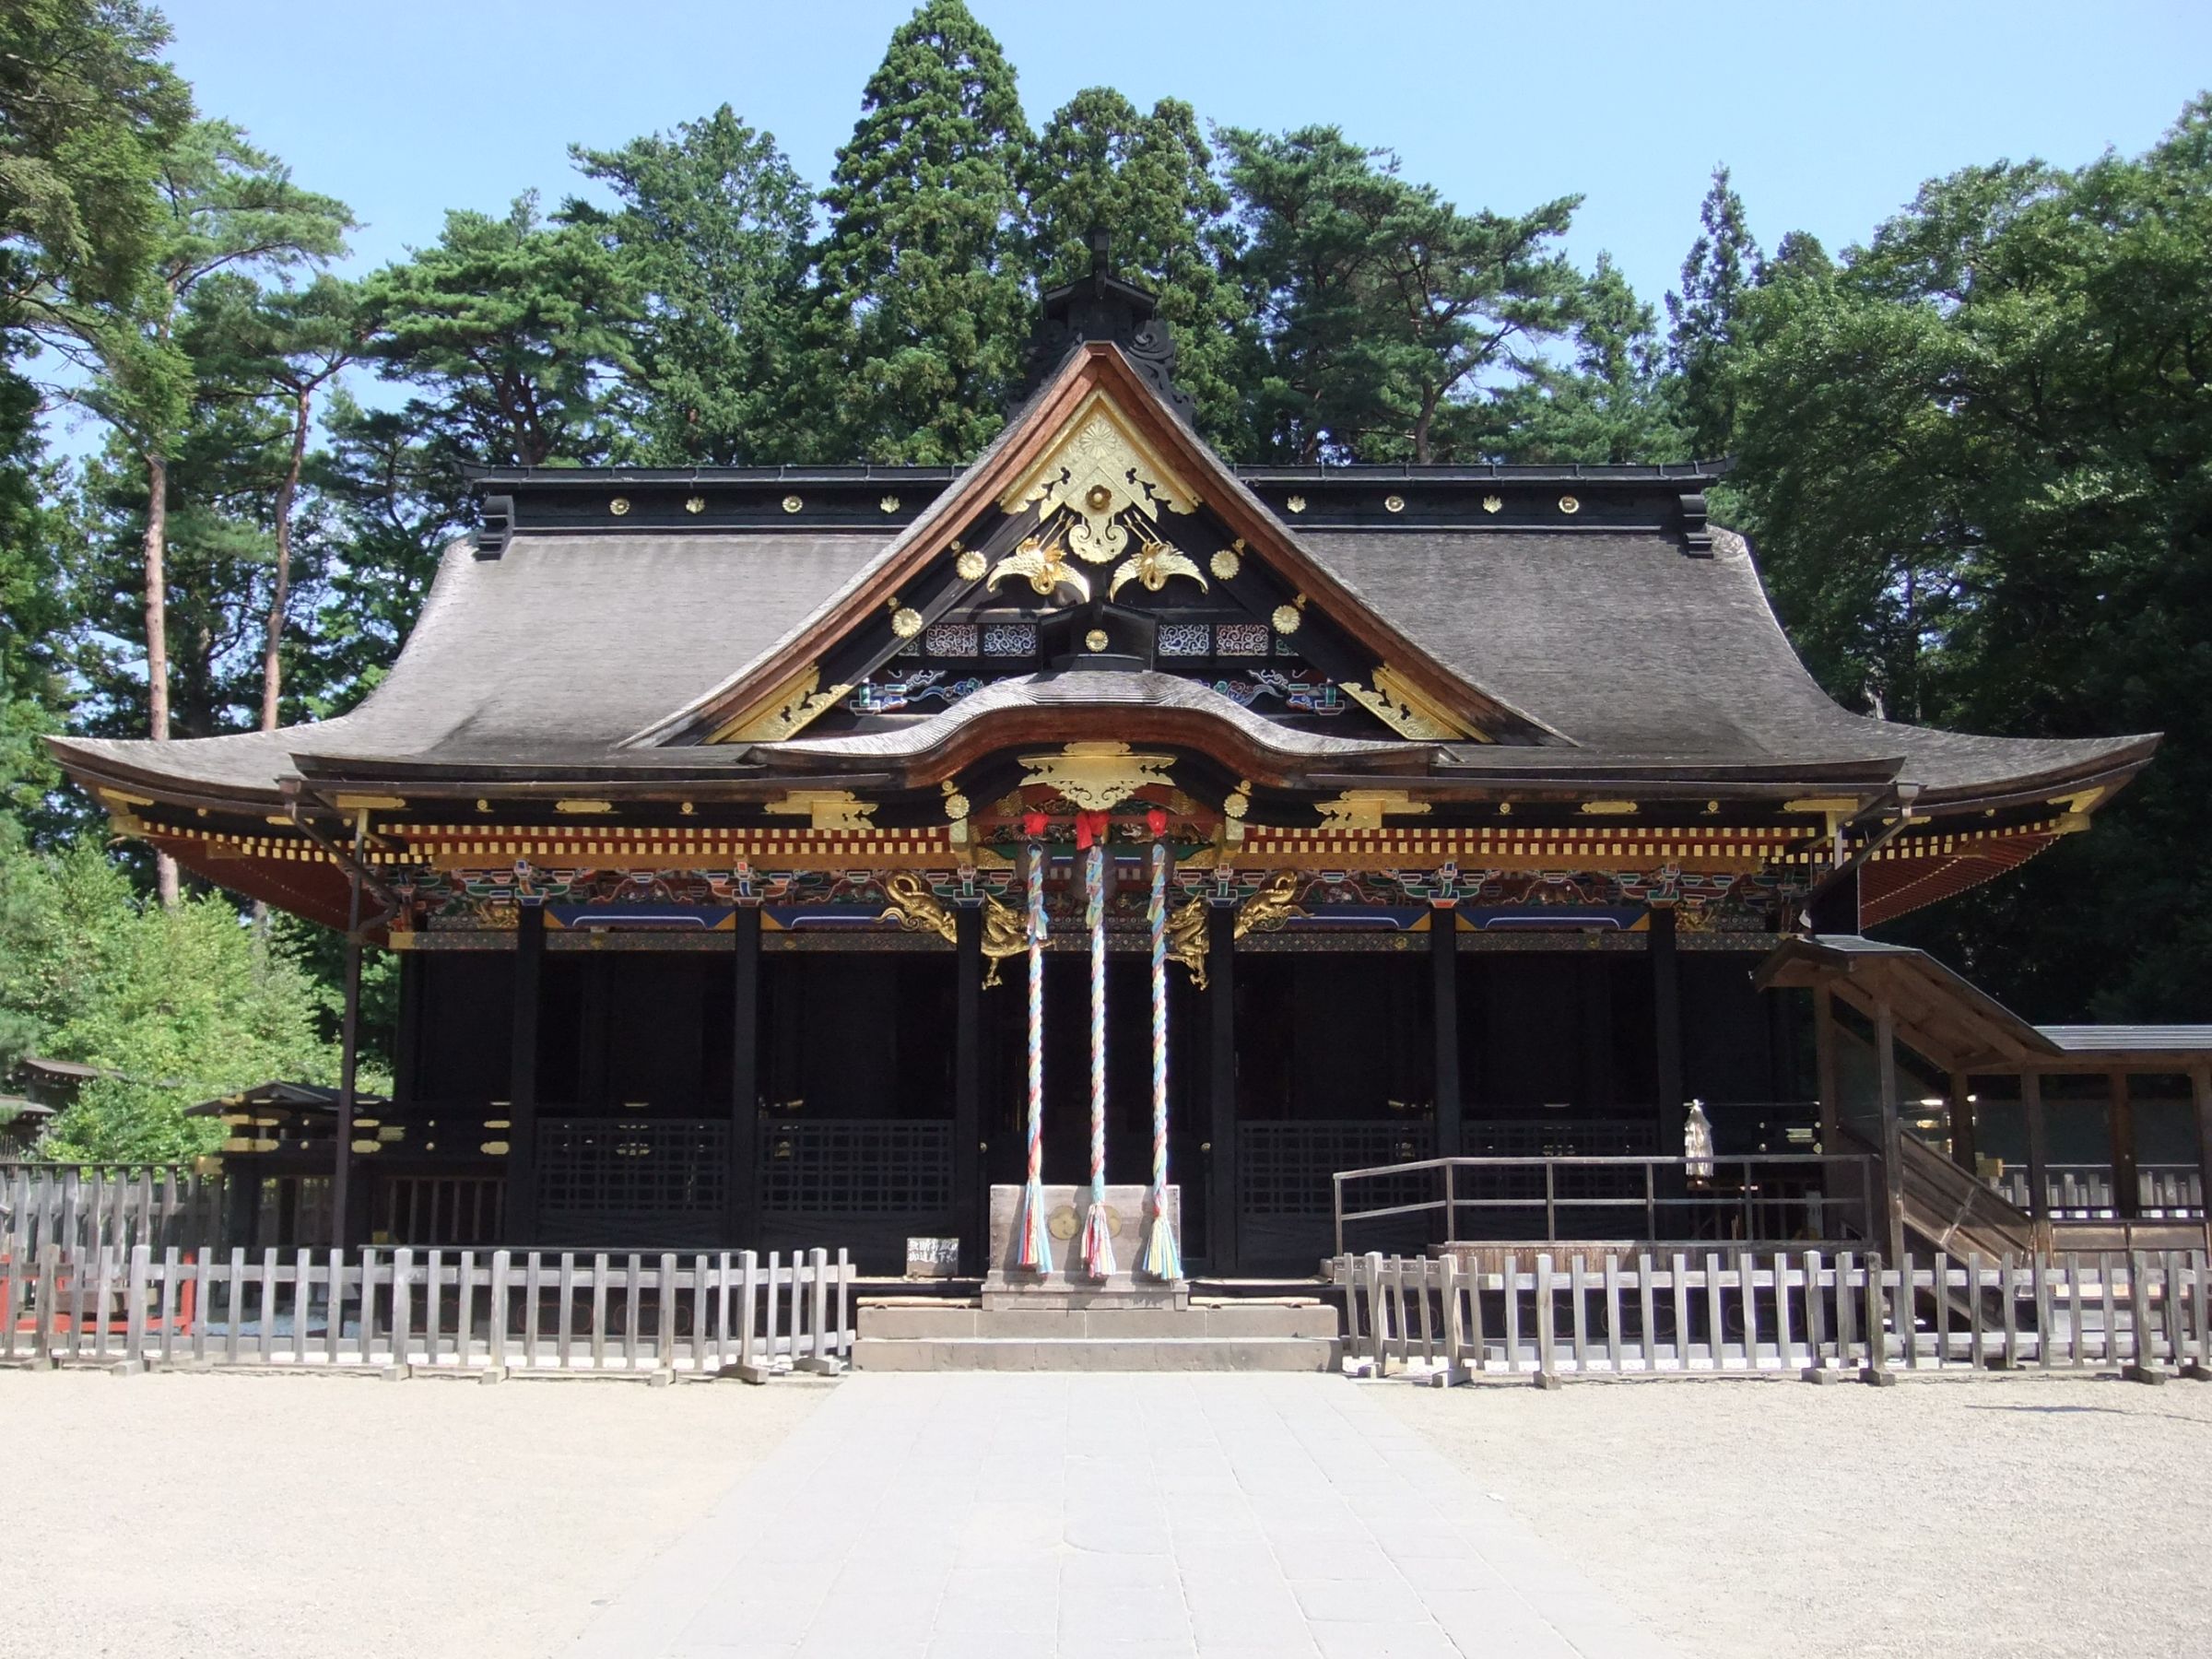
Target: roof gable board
1084, 494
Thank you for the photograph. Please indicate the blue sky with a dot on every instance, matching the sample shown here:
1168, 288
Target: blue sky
1830, 114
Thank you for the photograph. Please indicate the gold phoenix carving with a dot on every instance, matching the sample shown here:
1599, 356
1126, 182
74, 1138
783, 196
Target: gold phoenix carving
1044, 563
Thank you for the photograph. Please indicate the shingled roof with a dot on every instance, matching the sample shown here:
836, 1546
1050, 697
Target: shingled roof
1613, 636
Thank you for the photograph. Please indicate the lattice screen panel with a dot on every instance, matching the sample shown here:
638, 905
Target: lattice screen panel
1283, 1169
593, 1168
858, 1167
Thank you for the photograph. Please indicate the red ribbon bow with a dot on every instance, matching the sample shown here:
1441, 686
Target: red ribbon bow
1090, 827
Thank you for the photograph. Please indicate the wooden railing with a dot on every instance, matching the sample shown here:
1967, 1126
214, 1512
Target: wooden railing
398, 1309
2084, 1192
1543, 1318
1776, 1195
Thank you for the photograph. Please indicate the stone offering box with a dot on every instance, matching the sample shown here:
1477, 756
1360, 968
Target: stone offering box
1064, 1284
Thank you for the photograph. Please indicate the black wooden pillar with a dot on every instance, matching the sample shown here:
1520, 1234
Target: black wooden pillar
1666, 1019
970, 1197
1443, 978
1221, 1252
522, 1077
407, 1062
2200, 1096
1824, 1067
1893, 1132
1966, 1142
2120, 1126
741, 1207
2039, 1156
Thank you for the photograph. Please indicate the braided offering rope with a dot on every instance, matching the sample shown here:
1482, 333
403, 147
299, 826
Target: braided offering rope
1163, 1259
1098, 1240
1032, 1248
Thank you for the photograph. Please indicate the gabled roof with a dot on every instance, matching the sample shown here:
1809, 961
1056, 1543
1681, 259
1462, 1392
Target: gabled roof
1585, 616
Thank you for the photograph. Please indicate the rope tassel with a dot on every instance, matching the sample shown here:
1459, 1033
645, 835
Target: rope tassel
1032, 1248
1098, 1239
1164, 1258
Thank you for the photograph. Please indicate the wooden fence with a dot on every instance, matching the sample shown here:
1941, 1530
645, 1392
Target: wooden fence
398, 1311
92, 1206
1543, 1318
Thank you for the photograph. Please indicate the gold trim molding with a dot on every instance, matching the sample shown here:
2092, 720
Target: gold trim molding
783, 712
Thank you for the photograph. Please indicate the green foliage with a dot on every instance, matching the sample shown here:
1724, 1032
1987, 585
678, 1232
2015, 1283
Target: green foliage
924, 282
1722, 267
1612, 404
514, 329
180, 1006
87, 110
1978, 454
1384, 309
1149, 180
713, 224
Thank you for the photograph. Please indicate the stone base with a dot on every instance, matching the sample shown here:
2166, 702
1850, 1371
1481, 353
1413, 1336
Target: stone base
1063, 1285
1108, 1336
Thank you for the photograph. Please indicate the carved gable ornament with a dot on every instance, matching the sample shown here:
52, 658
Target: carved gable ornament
1096, 776
1095, 470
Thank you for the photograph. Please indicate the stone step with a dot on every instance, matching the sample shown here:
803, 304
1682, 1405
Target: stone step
947, 1321
1099, 1353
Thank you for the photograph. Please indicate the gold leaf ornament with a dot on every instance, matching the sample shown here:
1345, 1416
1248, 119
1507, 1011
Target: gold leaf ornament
1152, 565
1045, 565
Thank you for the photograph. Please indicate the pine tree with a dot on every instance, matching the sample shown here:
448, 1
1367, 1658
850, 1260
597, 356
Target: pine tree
1383, 308
1722, 267
1149, 180
925, 290
713, 222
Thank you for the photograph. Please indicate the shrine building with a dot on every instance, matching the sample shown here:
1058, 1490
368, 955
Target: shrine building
757, 842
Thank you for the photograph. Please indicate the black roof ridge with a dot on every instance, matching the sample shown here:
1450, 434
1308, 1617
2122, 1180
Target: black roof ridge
1578, 472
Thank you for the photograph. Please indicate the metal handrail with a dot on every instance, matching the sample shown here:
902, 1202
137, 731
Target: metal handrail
1704, 1173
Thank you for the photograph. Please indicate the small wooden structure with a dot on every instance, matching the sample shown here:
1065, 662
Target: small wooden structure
1883, 1012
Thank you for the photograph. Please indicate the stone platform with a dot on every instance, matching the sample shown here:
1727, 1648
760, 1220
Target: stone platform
1272, 1336
1062, 1320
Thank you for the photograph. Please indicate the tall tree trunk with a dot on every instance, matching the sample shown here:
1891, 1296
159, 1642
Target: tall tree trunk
156, 641
272, 672
272, 668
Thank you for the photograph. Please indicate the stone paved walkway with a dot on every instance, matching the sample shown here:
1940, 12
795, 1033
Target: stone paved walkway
978, 1514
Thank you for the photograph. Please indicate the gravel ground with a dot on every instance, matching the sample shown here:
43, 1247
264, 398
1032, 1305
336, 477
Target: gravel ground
266, 1517
1991, 1516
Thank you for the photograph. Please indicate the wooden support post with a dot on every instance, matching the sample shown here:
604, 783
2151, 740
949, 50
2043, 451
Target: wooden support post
2038, 1160
2200, 1091
1966, 1140
1221, 1253
742, 1206
1443, 962
2120, 1129
349, 1051
407, 1062
1667, 1015
1893, 1134
522, 1077
970, 1196
1824, 1063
